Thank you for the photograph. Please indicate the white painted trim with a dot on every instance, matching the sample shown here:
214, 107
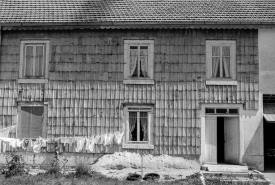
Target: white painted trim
138, 81
46, 52
138, 144
241, 127
232, 44
221, 82
127, 44
33, 80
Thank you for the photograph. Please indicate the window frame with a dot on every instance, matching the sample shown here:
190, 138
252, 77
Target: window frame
45, 117
46, 49
210, 80
138, 80
127, 144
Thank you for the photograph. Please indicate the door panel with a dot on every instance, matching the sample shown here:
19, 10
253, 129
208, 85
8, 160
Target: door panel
231, 138
211, 139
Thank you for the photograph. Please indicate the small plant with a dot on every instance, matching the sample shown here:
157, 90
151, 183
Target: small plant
15, 166
82, 169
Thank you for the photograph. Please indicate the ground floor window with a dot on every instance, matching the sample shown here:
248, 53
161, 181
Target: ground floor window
138, 125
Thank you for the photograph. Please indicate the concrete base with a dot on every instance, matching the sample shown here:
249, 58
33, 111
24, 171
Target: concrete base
47, 158
224, 168
254, 161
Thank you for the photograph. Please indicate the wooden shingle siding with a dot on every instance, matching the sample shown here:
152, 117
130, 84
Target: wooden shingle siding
85, 93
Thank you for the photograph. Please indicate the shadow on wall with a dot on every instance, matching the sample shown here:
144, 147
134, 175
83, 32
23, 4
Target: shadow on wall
253, 154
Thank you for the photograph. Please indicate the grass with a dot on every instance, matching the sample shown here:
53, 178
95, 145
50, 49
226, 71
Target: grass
95, 179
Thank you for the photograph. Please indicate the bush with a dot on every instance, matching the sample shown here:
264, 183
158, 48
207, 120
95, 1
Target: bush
15, 166
82, 169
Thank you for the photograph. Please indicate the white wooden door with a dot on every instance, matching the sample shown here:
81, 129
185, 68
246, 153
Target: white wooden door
231, 138
211, 139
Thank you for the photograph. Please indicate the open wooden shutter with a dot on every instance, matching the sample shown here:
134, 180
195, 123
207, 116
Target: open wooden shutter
25, 122
31, 122
37, 122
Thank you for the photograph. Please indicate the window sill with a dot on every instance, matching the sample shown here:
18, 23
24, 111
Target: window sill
138, 146
137, 81
221, 82
33, 81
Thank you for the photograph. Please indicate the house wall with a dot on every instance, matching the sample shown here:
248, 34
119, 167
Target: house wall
85, 90
267, 60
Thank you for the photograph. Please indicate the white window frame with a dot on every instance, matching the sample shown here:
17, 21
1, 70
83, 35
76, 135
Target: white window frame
46, 50
138, 80
127, 144
32, 104
210, 80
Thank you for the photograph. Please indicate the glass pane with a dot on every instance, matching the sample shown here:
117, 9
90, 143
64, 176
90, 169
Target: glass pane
209, 110
29, 62
143, 50
216, 66
215, 50
233, 111
143, 66
133, 61
133, 126
226, 51
221, 111
226, 66
143, 126
39, 62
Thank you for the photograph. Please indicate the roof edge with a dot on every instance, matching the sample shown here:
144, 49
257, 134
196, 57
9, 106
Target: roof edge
135, 25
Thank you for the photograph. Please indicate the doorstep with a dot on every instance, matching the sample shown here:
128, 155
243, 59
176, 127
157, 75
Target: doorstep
224, 168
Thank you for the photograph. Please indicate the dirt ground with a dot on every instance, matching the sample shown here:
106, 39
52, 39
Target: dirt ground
120, 164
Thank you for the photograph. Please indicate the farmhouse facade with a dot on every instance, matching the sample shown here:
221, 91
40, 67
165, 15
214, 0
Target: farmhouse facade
174, 77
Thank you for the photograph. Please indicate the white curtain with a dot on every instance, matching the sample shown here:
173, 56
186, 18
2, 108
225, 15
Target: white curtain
226, 61
132, 123
133, 61
216, 61
144, 125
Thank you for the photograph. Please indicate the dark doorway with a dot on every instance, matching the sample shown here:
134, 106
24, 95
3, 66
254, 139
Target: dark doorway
269, 146
220, 139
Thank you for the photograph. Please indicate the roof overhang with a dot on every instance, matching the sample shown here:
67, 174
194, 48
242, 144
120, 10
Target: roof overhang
135, 25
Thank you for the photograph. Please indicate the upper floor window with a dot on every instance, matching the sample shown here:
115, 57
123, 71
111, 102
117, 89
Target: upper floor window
34, 59
221, 61
138, 61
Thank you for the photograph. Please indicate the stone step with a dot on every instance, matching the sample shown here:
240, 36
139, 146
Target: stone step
224, 168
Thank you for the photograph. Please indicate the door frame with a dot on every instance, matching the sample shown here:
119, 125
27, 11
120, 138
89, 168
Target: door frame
241, 127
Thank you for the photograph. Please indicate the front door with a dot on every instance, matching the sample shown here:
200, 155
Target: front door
211, 139
231, 140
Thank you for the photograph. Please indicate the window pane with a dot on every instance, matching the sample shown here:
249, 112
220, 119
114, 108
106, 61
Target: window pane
221, 111
39, 62
226, 66
143, 126
216, 66
143, 50
209, 110
143, 66
233, 111
133, 61
215, 50
29, 61
37, 122
226, 51
133, 126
